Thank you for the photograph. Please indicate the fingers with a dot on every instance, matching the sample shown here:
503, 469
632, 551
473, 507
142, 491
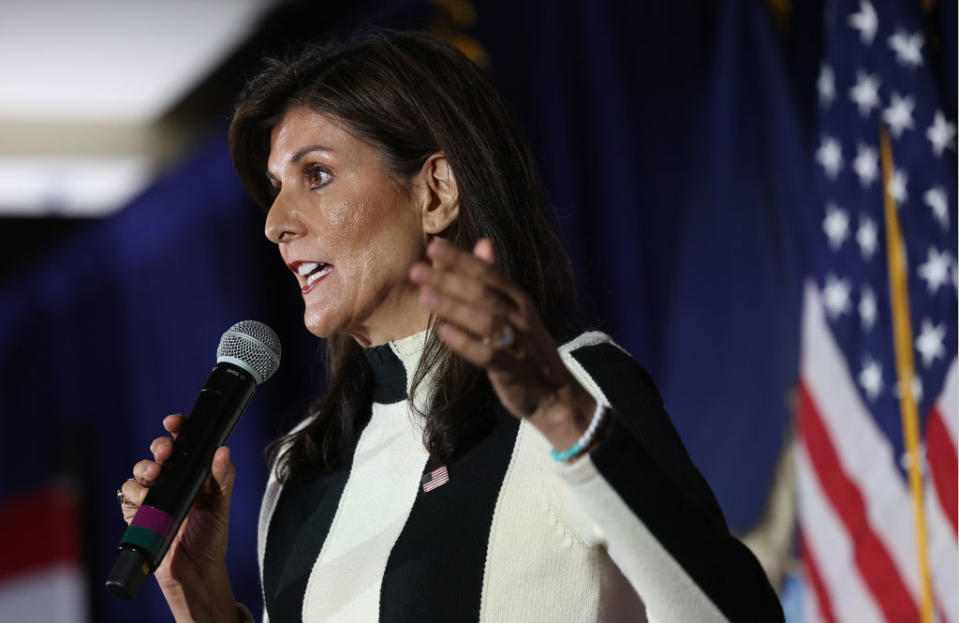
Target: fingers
475, 351
223, 471
492, 323
480, 317
450, 283
479, 268
473, 298
468, 290
133, 494
218, 489
173, 423
146, 472
484, 251
162, 449
215, 494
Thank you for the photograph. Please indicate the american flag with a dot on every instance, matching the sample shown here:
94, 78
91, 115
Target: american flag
437, 477
877, 528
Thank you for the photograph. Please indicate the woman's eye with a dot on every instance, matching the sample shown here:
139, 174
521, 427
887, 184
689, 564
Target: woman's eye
318, 176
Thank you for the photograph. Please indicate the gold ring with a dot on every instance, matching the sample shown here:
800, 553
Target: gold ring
122, 500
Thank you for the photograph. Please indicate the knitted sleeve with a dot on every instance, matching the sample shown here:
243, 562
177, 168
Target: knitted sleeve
652, 508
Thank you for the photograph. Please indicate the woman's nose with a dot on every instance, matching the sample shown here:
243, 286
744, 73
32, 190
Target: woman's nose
282, 221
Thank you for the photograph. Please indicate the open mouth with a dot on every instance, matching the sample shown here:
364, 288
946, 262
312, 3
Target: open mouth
313, 271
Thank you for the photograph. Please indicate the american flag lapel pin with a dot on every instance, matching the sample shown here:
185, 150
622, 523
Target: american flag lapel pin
436, 478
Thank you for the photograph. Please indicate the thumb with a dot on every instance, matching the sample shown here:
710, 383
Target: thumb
223, 472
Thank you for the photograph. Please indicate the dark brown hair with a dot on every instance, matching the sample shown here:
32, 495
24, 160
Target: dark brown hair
410, 95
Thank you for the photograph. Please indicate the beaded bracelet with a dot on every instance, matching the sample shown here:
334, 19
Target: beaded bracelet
584, 442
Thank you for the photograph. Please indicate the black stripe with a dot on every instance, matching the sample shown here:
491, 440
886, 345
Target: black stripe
300, 524
435, 570
642, 457
389, 374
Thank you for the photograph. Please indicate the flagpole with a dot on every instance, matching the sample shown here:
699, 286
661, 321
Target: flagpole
905, 366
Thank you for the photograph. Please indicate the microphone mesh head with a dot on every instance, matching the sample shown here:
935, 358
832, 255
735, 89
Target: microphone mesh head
253, 346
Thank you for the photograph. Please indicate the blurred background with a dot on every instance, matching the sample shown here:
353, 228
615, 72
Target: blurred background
708, 162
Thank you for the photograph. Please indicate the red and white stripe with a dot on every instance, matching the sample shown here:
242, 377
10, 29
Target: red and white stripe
828, 554
435, 478
856, 511
940, 497
41, 572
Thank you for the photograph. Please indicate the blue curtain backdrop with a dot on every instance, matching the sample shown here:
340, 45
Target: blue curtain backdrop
671, 143
120, 327
668, 139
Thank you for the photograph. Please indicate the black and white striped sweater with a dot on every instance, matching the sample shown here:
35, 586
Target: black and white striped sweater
629, 532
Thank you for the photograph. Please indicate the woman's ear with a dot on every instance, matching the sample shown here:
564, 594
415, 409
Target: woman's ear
442, 201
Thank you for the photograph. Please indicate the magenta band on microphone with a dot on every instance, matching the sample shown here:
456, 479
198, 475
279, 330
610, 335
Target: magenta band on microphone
154, 519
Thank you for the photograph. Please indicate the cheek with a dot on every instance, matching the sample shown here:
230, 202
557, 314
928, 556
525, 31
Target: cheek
373, 241
342, 216
341, 233
359, 239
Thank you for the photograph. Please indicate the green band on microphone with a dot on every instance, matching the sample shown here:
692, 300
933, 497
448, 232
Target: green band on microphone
146, 539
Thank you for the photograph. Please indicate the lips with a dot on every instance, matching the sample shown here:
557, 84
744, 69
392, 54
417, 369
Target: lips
313, 272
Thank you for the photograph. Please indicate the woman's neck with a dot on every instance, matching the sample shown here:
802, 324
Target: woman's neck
393, 365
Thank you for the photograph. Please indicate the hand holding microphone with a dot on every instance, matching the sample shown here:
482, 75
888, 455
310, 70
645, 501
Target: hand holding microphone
156, 502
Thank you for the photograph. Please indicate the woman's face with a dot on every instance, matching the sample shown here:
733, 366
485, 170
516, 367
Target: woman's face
347, 228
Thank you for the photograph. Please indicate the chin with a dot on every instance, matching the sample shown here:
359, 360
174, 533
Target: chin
318, 323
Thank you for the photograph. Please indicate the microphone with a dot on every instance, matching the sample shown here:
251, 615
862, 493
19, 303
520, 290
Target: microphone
249, 353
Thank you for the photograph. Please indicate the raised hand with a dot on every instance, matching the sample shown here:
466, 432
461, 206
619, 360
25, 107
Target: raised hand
494, 324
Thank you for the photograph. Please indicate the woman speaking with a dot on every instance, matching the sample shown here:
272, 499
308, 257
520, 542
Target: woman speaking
477, 456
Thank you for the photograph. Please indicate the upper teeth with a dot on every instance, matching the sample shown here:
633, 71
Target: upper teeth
306, 268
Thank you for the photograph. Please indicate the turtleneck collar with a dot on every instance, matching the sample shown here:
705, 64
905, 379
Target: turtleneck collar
393, 365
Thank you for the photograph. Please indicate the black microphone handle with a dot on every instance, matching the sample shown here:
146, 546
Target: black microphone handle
216, 411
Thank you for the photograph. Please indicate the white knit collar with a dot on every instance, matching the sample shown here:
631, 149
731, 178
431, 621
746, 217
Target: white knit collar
409, 350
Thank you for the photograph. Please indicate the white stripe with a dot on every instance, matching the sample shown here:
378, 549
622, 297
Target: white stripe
565, 573
866, 455
271, 496
943, 549
948, 404
270, 499
810, 604
590, 338
376, 502
669, 593
828, 543
943, 555
55, 593
558, 576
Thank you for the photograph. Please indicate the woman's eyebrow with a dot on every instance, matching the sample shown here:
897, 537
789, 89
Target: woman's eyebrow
296, 157
302, 151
